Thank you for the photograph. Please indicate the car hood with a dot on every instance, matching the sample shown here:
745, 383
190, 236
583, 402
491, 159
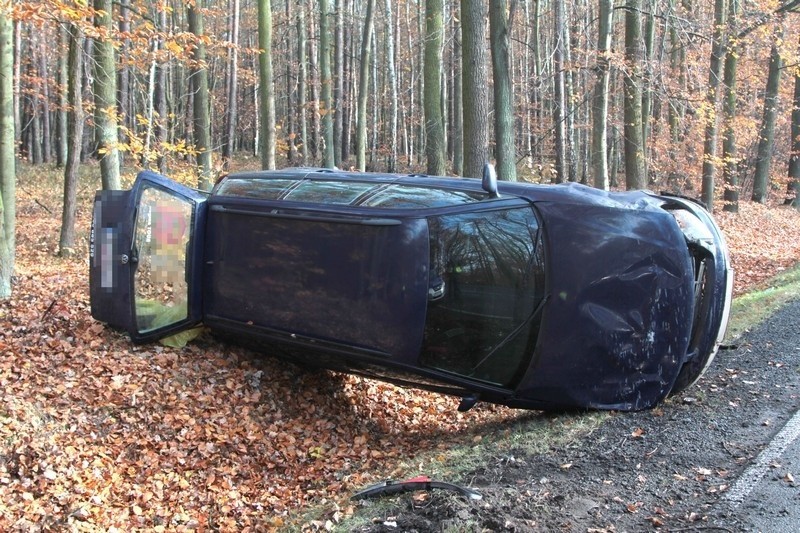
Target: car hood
617, 321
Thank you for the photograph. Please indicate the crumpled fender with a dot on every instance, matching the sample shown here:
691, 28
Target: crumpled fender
617, 321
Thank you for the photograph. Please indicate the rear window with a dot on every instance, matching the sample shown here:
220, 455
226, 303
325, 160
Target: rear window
356, 193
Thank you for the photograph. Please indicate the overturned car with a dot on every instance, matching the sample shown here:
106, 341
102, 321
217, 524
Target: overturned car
541, 297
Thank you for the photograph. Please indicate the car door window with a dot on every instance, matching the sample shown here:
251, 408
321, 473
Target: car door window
486, 282
161, 239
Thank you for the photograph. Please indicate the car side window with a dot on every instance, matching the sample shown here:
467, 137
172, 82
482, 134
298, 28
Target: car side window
486, 282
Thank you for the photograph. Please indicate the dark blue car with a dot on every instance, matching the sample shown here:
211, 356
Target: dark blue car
541, 297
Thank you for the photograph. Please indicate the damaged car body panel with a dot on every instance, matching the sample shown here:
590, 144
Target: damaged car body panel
541, 297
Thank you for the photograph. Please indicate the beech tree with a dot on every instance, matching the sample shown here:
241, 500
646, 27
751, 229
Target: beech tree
712, 103
766, 140
434, 125
105, 96
266, 87
232, 89
326, 99
66, 242
199, 77
730, 161
793, 187
391, 162
8, 174
474, 87
501, 14
560, 94
634, 134
363, 86
601, 96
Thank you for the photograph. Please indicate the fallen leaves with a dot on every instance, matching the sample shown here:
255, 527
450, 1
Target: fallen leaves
762, 240
96, 430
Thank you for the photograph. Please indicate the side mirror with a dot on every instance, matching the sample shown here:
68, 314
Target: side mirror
489, 180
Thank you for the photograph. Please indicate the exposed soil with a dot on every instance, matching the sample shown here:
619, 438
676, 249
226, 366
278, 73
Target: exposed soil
664, 469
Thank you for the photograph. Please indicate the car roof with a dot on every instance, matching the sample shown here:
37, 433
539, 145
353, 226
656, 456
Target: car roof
406, 191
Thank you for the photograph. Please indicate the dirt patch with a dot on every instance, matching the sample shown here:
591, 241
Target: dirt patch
664, 469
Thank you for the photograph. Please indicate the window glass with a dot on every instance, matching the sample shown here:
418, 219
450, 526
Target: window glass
270, 189
163, 225
329, 192
486, 282
409, 197
346, 192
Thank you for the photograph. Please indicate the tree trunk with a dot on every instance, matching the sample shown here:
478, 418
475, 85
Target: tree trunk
34, 105
391, 163
326, 103
150, 106
458, 108
105, 96
600, 99
730, 158
363, 88
313, 57
538, 84
712, 103
161, 115
647, 83
634, 143
124, 75
345, 105
200, 104
88, 148
231, 114
793, 188
475, 93
435, 146
63, 77
266, 86
47, 148
8, 174
500, 14
559, 94
301, 84
66, 243
17, 80
339, 89
766, 140
288, 130
569, 102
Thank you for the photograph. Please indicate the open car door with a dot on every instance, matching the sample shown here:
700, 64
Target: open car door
146, 249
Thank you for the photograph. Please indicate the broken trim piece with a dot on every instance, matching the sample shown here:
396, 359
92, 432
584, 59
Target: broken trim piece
390, 488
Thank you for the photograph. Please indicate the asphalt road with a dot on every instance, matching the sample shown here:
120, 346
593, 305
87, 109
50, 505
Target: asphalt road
770, 498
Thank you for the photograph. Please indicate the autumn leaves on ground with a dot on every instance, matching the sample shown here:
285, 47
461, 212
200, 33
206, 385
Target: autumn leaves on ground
96, 433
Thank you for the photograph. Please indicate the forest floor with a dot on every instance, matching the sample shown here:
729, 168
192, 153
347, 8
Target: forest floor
97, 433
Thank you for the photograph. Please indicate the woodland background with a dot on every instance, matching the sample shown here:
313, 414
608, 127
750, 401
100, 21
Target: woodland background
695, 97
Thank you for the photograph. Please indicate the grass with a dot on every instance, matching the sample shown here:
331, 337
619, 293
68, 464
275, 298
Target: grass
751, 309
